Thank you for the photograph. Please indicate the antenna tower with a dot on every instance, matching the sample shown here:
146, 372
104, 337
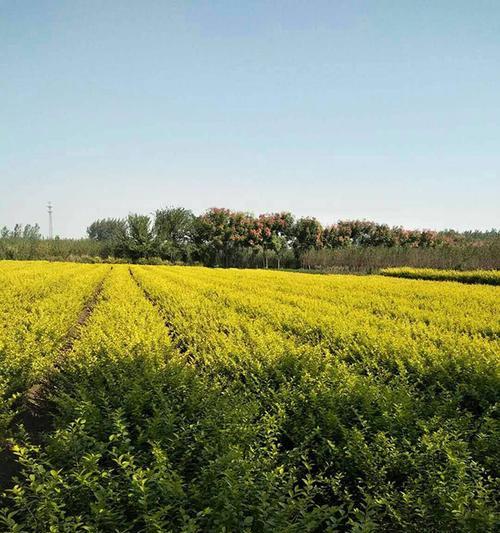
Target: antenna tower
51, 229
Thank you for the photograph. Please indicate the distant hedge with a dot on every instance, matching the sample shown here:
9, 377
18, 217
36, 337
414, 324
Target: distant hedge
487, 277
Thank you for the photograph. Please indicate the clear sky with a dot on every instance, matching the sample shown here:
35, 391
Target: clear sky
386, 110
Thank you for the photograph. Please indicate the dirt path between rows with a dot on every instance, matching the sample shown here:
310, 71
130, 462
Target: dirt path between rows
178, 343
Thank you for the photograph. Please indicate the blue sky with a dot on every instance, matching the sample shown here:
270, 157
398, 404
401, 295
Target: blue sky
386, 110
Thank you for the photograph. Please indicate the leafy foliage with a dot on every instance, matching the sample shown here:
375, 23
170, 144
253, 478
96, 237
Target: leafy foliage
220, 400
108, 229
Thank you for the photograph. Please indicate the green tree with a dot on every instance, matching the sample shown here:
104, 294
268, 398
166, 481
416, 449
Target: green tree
107, 229
17, 232
307, 234
32, 233
173, 232
138, 241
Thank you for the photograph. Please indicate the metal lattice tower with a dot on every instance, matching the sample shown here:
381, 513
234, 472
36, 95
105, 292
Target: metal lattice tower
51, 229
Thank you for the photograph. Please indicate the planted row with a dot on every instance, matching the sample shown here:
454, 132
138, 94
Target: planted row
487, 277
39, 305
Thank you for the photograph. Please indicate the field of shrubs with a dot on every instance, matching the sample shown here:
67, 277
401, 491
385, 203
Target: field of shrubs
155, 398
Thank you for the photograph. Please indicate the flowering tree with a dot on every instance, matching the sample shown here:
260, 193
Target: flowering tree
221, 232
282, 225
366, 233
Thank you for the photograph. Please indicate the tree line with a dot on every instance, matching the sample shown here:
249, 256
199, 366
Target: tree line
222, 237
20, 231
